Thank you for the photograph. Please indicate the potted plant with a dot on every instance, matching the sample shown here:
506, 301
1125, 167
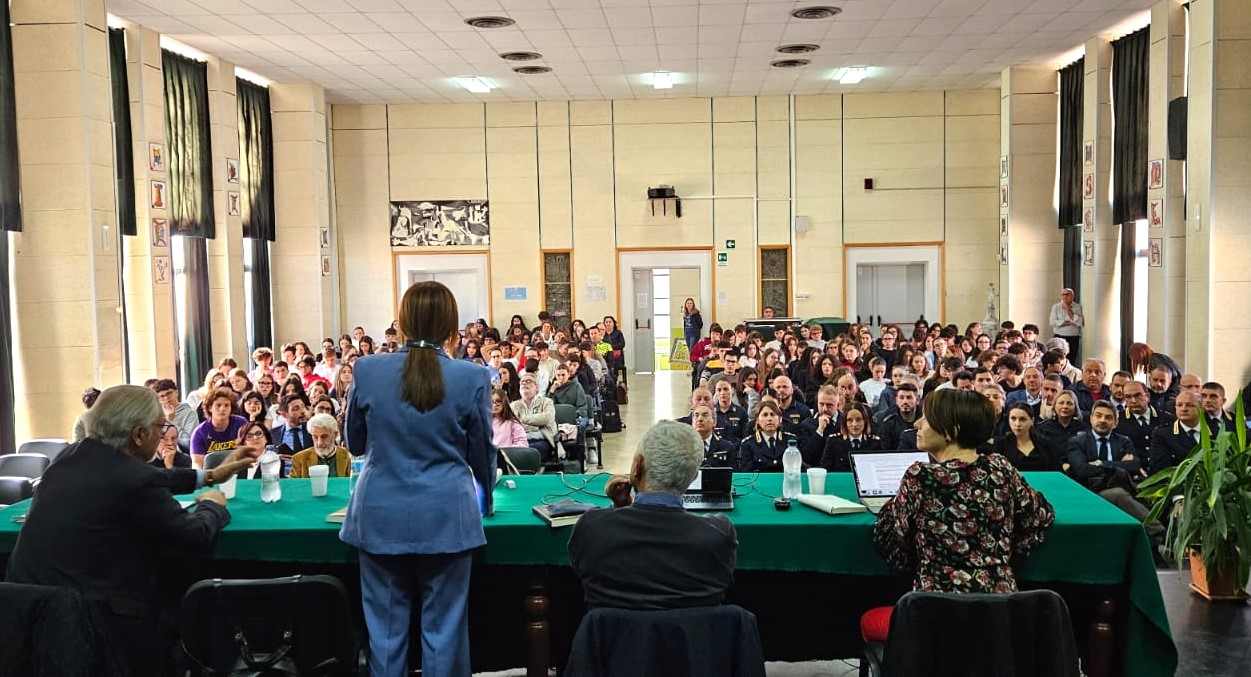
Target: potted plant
1208, 496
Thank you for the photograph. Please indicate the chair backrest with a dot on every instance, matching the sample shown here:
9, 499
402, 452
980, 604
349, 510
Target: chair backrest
215, 459
1024, 634
48, 446
711, 641
527, 461
14, 489
314, 609
52, 630
23, 465
566, 413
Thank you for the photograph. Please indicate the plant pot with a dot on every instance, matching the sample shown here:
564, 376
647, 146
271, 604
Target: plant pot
1215, 586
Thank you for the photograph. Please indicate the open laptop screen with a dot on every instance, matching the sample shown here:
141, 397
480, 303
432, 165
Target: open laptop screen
879, 474
713, 481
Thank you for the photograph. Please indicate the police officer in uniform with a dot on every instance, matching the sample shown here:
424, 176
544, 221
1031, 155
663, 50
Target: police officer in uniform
1140, 419
732, 420
762, 450
1171, 445
856, 436
793, 411
718, 451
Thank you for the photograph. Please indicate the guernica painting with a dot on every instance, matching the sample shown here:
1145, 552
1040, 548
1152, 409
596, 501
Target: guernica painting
440, 223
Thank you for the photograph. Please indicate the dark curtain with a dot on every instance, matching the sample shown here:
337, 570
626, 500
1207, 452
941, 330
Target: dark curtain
197, 342
10, 219
1072, 81
123, 148
256, 185
189, 151
262, 296
10, 192
256, 160
1130, 78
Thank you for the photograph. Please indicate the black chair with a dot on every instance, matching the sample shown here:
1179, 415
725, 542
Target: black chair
15, 489
575, 450
53, 632
48, 446
28, 465
527, 460
710, 641
1024, 634
302, 624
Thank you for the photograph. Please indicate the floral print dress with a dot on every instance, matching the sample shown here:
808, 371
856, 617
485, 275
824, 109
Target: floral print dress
959, 524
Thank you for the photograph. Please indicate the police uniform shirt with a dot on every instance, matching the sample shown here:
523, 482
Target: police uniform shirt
732, 423
760, 453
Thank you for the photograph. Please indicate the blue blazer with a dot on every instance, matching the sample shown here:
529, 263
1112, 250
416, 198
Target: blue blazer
416, 493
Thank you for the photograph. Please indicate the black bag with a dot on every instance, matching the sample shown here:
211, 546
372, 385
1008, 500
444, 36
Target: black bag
611, 415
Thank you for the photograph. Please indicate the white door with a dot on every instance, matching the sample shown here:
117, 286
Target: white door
464, 285
890, 293
464, 274
644, 331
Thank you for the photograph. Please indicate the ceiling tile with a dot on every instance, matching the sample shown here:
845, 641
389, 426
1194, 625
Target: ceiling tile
582, 18
719, 33
353, 22
324, 6
721, 15
629, 17
634, 36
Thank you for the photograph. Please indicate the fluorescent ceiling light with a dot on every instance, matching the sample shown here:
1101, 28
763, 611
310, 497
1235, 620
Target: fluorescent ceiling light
475, 84
254, 78
851, 76
662, 80
183, 49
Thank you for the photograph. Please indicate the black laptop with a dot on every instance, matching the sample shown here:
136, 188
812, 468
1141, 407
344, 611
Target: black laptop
713, 489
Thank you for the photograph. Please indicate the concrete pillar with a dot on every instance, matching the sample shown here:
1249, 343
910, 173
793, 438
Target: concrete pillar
1218, 174
1166, 321
304, 303
148, 271
1031, 279
1100, 295
225, 251
65, 264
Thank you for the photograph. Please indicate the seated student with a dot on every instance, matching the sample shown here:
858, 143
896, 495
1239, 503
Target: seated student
566, 390
873, 386
647, 552
719, 452
712, 365
820, 374
855, 436
1005, 517
732, 419
762, 449
730, 361
1054, 362
1008, 371
506, 430
746, 392
537, 415
324, 430
904, 417
220, 431
1019, 444
816, 432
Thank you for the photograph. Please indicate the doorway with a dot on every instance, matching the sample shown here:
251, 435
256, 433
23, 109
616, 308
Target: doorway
894, 285
654, 287
466, 275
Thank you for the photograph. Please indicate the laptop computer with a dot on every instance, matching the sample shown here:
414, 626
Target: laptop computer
712, 490
879, 474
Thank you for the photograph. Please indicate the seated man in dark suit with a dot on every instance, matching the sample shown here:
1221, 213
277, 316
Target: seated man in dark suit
648, 552
103, 518
1171, 444
816, 431
1090, 454
1140, 419
719, 452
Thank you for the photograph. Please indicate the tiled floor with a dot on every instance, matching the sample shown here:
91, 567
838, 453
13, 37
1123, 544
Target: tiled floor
665, 394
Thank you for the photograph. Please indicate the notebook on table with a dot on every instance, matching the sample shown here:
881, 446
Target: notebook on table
713, 489
879, 474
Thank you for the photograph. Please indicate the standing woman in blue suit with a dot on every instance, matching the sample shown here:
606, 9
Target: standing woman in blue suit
423, 421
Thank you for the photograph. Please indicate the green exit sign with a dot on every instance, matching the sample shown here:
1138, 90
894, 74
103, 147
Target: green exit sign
723, 258
729, 244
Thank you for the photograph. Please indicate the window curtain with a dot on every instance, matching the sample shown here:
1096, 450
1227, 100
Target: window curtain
1130, 81
10, 219
256, 179
1130, 78
189, 150
1072, 79
123, 148
190, 158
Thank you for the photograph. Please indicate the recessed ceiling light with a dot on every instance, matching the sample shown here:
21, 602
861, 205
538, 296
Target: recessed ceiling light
662, 80
520, 56
798, 49
532, 70
790, 63
852, 75
490, 21
817, 12
475, 84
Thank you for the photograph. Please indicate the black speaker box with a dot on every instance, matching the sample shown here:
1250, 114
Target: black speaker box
1177, 128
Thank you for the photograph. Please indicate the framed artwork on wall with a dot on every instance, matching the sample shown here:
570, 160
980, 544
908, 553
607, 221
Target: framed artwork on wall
1155, 212
1088, 153
232, 170
232, 203
1155, 174
158, 195
160, 232
156, 157
1088, 252
1088, 187
1003, 167
1003, 196
1155, 252
161, 269
1088, 219
440, 223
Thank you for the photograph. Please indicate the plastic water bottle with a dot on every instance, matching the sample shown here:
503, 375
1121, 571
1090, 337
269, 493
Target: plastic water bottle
271, 466
792, 484
358, 464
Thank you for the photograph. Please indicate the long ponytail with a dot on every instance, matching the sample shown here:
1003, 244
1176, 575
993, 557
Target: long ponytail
428, 317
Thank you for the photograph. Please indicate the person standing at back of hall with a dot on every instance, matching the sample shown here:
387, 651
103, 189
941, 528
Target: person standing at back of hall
1067, 321
692, 324
414, 515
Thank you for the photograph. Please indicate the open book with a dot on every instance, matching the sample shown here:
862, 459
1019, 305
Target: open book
831, 505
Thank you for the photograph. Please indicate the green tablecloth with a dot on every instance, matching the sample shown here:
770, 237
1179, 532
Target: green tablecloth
1092, 542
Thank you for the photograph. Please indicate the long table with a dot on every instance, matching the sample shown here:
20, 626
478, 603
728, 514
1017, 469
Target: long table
1091, 544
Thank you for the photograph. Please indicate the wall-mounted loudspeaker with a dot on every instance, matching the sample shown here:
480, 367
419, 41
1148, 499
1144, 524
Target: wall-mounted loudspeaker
1177, 128
802, 224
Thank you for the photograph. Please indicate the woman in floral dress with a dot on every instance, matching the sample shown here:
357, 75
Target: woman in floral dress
958, 521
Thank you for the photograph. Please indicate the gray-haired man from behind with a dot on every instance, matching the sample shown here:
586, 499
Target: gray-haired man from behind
648, 552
